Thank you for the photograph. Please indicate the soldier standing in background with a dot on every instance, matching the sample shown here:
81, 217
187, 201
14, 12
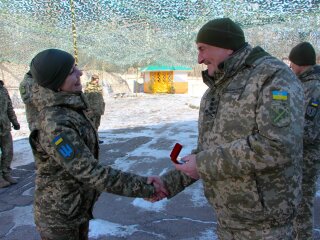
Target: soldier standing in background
94, 94
26, 88
303, 64
249, 151
7, 116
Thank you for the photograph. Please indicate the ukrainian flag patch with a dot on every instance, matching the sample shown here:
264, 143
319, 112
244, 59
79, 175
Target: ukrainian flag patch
312, 109
280, 95
64, 146
314, 104
280, 110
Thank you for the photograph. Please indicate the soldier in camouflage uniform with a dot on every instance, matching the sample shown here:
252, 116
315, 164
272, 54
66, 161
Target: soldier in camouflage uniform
69, 177
7, 116
94, 94
26, 88
303, 64
249, 150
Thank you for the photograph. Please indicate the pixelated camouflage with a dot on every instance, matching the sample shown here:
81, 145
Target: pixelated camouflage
69, 176
311, 161
26, 93
94, 94
80, 232
7, 117
249, 159
274, 233
7, 114
6, 146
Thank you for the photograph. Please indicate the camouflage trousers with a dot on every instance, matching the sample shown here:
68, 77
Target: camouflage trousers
303, 222
267, 233
6, 147
80, 232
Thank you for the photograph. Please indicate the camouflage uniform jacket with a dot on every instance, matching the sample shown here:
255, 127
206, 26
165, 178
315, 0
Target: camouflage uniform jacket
94, 94
68, 174
7, 114
249, 151
26, 93
311, 83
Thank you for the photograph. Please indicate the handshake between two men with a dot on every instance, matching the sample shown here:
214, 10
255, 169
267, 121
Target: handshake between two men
187, 166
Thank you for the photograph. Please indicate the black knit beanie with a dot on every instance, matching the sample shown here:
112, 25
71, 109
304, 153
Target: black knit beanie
51, 67
223, 33
303, 54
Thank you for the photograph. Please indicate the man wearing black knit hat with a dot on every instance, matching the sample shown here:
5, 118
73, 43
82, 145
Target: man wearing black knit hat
303, 63
65, 145
249, 148
51, 67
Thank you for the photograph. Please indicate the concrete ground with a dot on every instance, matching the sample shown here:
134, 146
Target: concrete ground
143, 150
186, 216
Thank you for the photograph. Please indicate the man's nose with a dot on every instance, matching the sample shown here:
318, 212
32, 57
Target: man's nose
200, 59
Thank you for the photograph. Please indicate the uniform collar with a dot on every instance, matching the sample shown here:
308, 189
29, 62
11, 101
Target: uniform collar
227, 68
44, 97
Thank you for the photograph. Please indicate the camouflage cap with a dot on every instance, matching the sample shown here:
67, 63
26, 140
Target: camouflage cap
95, 76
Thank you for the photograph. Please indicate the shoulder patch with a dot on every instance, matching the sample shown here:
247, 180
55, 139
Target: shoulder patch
312, 109
280, 95
280, 110
64, 146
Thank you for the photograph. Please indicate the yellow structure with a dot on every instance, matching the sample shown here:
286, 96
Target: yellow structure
164, 79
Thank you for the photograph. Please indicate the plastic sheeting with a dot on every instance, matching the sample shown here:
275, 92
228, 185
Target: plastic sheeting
117, 34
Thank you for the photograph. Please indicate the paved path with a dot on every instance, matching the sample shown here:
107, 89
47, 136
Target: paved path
187, 216
143, 150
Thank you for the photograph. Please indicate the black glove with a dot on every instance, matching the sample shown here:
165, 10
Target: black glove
16, 126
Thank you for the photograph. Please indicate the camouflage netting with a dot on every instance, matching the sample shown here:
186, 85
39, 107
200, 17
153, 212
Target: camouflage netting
114, 35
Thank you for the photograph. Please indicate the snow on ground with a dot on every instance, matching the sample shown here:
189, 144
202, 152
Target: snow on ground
130, 112
124, 113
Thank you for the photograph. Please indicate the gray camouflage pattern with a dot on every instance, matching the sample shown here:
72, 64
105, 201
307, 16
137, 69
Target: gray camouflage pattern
7, 114
68, 182
303, 222
7, 117
26, 88
6, 147
249, 150
262, 233
94, 94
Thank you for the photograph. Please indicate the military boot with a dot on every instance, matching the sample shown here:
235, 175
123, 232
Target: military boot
3, 183
9, 179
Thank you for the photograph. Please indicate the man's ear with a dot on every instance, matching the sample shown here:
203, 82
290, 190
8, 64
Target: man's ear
230, 52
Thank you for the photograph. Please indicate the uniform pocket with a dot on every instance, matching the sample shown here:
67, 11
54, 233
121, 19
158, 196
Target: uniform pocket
70, 202
240, 198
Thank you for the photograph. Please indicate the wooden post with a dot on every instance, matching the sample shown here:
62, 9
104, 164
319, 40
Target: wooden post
74, 31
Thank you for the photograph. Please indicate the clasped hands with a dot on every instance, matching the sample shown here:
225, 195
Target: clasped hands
189, 168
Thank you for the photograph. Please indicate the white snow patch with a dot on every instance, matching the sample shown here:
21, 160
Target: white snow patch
208, 235
155, 207
100, 228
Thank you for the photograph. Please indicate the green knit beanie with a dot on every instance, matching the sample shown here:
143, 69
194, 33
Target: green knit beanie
51, 67
303, 54
223, 33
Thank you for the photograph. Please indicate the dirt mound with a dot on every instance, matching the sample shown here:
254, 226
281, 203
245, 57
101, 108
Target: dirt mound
12, 74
